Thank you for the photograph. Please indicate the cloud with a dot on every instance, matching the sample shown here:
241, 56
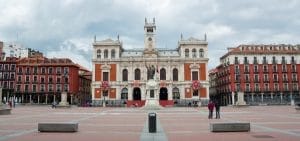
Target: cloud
66, 28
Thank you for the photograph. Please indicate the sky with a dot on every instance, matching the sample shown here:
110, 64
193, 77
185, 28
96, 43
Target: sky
66, 28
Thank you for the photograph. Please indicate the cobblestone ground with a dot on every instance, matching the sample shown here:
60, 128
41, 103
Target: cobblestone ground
279, 123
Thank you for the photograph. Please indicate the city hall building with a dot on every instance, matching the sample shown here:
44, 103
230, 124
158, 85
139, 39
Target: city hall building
120, 75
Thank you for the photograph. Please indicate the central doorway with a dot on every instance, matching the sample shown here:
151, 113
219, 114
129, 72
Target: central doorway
163, 93
136, 94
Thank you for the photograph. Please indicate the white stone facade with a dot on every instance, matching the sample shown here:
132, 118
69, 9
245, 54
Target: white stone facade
189, 57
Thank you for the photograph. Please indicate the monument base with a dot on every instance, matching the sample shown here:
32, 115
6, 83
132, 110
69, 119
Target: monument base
240, 101
63, 105
152, 104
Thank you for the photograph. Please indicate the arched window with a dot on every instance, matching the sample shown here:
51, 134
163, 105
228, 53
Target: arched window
98, 53
106, 53
124, 94
176, 94
194, 53
162, 74
113, 53
201, 53
175, 74
125, 75
186, 51
137, 74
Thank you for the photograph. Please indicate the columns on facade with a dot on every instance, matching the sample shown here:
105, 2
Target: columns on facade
170, 92
130, 89
30, 99
46, 98
38, 99
281, 97
71, 99
262, 97
22, 98
252, 97
7, 96
272, 95
54, 98
232, 96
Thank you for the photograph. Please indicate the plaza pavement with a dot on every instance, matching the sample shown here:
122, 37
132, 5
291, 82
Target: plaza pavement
276, 123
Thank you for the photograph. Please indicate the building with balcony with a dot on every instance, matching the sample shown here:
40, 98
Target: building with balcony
8, 76
266, 74
120, 75
42, 80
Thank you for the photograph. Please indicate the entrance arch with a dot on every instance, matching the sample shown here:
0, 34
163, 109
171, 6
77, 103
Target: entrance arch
124, 94
176, 94
136, 94
163, 93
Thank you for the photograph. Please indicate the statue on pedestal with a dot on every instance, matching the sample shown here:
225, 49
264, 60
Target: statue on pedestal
151, 71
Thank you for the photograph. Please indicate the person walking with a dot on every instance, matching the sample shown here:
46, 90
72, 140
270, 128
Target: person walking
217, 105
210, 106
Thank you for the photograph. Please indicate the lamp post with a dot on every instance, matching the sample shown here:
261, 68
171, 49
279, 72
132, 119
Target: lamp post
105, 91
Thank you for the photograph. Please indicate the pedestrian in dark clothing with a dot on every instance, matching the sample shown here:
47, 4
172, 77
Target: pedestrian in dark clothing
217, 105
210, 106
10, 104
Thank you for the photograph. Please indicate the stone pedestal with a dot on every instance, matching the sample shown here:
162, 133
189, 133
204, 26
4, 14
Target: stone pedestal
240, 101
3, 111
152, 102
63, 102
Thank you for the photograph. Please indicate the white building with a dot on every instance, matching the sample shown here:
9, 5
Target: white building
14, 50
121, 74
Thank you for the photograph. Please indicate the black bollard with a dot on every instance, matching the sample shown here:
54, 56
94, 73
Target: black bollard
152, 122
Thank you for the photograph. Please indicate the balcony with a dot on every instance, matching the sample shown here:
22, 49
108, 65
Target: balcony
256, 90
266, 80
265, 62
276, 90
247, 80
285, 80
275, 71
19, 73
265, 70
247, 71
295, 89
247, 90
266, 89
294, 79
255, 62
255, 71
236, 62
246, 62
285, 89
275, 80
293, 62
284, 70
283, 62
256, 80
274, 62
237, 81
294, 70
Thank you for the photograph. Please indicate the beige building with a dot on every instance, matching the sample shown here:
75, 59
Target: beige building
120, 75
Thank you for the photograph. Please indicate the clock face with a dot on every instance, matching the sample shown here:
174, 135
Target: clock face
149, 39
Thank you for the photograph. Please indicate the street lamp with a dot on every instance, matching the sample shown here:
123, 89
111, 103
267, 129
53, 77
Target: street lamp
105, 91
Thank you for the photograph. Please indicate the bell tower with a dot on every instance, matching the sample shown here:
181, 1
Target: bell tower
149, 40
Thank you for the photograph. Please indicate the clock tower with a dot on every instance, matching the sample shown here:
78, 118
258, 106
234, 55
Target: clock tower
149, 40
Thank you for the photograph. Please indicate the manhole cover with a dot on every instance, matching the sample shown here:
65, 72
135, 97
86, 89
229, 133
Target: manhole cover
262, 136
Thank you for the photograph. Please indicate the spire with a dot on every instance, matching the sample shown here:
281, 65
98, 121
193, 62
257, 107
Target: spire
94, 38
118, 37
205, 38
145, 20
153, 20
181, 36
